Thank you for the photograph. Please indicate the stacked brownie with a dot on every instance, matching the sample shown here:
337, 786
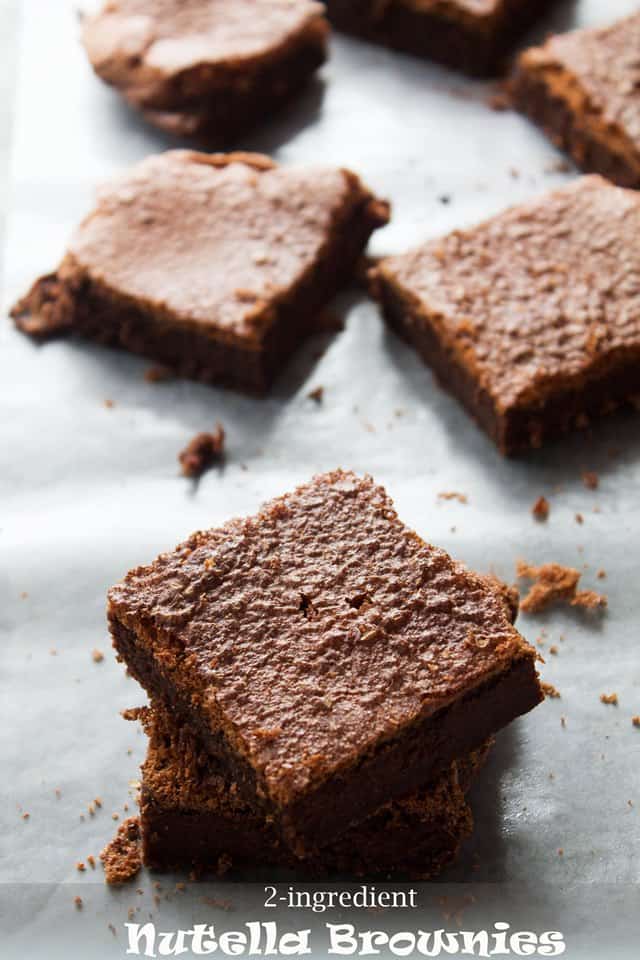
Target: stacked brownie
323, 687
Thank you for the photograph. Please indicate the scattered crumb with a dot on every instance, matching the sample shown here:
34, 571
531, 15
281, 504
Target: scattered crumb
53, 652
58, 793
558, 166
97, 656
122, 857
158, 374
316, 394
453, 495
590, 479
25, 816
553, 649
91, 860
499, 100
115, 816
80, 866
24, 595
601, 574
109, 404
98, 802
635, 721
202, 452
611, 698
579, 518
550, 691
563, 721
561, 852
541, 508
552, 583
78, 902
112, 928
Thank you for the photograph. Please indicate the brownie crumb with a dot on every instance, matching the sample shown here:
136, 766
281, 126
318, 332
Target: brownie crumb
553, 649
91, 860
122, 857
316, 394
80, 866
109, 404
553, 583
202, 452
635, 721
601, 574
590, 479
78, 902
550, 691
453, 495
158, 374
579, 518
113, 929
541, 508
610, 698
97, 656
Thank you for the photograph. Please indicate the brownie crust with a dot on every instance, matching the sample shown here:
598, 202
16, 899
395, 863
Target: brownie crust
433, 666
529, 319
192, 819
202, 68
580, 88
474, 38
226, 306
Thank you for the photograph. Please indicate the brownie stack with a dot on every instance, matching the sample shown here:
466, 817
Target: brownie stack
323, 688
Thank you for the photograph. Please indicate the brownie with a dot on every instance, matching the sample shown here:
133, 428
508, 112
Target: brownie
327, 658
469, 35
531, 319
582, 89
209, 69
216, 265
193, 819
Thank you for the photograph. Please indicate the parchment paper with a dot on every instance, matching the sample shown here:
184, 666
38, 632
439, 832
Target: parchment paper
87, 491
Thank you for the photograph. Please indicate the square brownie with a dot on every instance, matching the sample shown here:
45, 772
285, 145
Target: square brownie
216, 265
582, 89
470, 35
531, 319
327, 658
192, 819
208, 69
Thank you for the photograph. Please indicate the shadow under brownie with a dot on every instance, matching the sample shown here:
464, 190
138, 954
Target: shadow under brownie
532, 318
193, 819
470, 36
326, 657
215, 265
208, 69
581, 88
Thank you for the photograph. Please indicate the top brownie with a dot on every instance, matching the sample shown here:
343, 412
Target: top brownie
582, 87
163, 54
532, 318
325, 655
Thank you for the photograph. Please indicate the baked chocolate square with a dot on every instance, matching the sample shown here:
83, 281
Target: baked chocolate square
208, 69
192, 819
326, 657
531, 319
582, 89
216, 265
470, 35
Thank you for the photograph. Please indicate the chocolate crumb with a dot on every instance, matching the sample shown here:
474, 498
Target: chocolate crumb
91, 860
202, 452
610, 698
541, 508
579, 518
601, 574
80, 866
553, 649
590, 479
453, 495
316, 394
635, 721
78, 902
158, 374
550, 691
97, 656
553, 583
122, 857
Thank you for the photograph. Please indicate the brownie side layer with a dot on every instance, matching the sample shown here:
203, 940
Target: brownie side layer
576, 131
518, 429
80, 306
192, 819
476, 47
395, 768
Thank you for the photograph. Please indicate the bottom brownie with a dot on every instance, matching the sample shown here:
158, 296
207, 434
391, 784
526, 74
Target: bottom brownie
191, 818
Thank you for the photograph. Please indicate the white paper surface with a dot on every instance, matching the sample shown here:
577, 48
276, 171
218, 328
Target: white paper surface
87, 492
